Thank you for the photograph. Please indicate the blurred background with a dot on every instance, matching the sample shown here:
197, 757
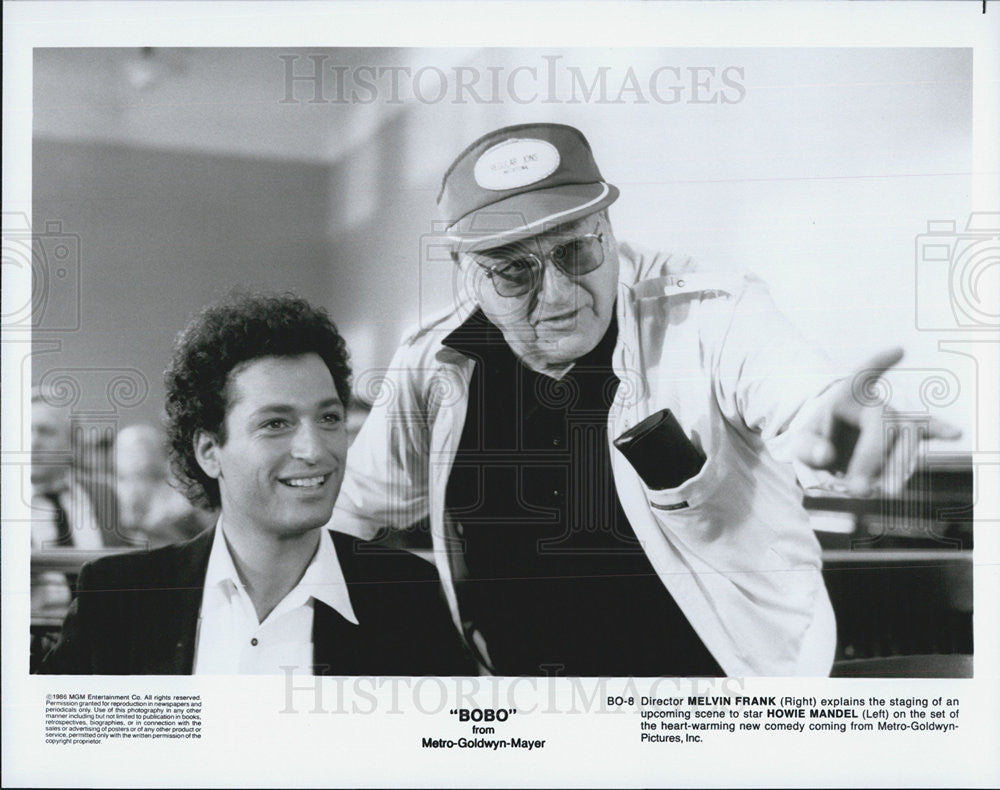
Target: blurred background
162, 178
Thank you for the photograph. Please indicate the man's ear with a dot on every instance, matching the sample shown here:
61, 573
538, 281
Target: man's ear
206, 452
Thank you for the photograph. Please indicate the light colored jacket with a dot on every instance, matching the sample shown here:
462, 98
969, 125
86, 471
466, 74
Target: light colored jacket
733, 544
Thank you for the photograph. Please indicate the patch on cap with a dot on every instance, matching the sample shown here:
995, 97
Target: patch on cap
516, 163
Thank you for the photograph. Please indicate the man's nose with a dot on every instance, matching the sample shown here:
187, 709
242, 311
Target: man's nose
556, 285
306, 443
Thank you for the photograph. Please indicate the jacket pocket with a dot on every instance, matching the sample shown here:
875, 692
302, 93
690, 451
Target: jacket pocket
715, 517
692, 494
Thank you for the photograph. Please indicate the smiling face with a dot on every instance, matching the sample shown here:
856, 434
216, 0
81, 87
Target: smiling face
563, 317
282, 461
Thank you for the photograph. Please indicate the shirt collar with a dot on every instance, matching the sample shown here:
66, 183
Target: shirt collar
221, 572
477, 336
58, 489
323, 578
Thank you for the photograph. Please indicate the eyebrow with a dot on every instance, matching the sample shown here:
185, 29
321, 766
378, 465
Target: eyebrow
284, 408
572, 229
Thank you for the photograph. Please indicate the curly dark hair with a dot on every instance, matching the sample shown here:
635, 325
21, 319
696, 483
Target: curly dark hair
221, 337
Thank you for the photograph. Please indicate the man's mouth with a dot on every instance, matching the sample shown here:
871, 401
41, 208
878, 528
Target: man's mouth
559, 319
304, 482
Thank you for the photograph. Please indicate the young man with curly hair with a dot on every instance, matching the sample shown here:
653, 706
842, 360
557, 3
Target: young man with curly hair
257, 393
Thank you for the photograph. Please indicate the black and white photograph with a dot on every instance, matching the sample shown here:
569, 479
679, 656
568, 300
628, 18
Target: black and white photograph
652, 382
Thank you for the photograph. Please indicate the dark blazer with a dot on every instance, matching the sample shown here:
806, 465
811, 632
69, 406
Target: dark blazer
137, 614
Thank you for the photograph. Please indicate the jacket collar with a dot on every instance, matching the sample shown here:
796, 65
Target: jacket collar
170, 646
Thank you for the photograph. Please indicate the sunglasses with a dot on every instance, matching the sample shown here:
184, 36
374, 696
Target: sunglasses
518, 272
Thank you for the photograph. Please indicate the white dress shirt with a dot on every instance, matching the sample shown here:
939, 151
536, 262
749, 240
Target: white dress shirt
230, 639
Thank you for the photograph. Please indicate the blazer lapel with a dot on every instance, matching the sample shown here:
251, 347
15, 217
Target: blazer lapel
171, 642
335, 642
338, 646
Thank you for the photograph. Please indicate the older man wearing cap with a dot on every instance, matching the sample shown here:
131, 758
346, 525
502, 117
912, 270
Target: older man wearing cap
605, 440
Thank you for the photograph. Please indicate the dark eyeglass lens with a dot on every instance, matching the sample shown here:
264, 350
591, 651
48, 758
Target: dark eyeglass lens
517, 277
580, 256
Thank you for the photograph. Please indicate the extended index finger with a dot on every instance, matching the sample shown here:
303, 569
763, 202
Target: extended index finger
863, 390
881, 362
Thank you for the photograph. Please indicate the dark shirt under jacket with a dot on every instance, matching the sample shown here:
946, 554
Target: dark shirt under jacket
558, 583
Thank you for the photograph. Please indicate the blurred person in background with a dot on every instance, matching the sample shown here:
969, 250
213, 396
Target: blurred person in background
152, 512
93, 456
69, 509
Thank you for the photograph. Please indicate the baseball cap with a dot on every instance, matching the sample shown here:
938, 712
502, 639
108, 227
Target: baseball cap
520, 181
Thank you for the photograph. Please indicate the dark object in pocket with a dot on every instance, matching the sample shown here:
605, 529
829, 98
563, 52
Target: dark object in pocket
660, 451
845, 438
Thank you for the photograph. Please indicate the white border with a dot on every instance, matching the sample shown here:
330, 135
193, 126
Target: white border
252, 745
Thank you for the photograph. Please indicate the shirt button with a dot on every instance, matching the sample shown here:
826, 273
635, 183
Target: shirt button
254, 641
556, 493
680, 283
557, 442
